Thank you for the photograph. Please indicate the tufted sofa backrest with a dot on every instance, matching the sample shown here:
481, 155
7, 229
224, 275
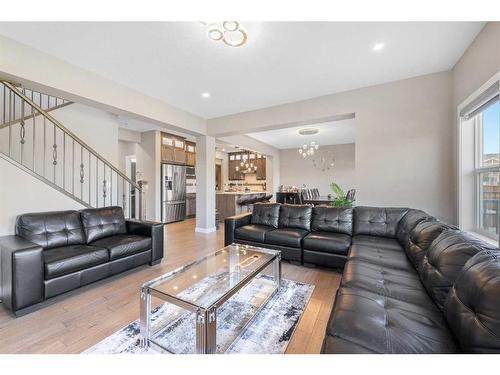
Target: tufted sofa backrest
266, 214
377, 221
421, 237
407, 223
444, 261
103, 222
295, 216
472, 308
51, 229
332, 219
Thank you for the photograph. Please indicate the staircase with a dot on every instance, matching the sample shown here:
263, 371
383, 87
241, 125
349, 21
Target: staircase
37, 143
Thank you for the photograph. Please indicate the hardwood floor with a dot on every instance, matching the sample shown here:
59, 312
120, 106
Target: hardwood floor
75, 322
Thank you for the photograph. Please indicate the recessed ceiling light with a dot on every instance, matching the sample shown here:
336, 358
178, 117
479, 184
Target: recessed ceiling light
378, 46
205, 95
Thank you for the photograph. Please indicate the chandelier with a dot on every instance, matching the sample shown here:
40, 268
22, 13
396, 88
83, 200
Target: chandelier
308, 150
229, 32
245, 165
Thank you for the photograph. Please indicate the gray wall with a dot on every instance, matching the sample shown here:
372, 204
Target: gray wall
404, 139
295, 170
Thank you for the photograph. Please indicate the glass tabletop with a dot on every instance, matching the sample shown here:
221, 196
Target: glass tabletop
207, 280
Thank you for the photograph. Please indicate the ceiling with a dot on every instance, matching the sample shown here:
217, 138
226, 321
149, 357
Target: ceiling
329, 133
282, 61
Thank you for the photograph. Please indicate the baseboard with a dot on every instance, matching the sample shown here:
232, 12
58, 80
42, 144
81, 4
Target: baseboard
205, 230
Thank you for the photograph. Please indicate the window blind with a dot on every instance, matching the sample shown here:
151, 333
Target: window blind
479, 104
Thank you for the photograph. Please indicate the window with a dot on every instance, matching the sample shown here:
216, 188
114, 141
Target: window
487, 130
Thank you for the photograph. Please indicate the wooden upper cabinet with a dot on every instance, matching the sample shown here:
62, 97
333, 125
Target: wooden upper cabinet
261, 167
190, 153
173, 149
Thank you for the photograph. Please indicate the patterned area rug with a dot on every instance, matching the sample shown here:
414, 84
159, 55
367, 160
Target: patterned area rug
269, 332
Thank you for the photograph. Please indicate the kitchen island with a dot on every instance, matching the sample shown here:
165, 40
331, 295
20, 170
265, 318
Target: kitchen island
227, 202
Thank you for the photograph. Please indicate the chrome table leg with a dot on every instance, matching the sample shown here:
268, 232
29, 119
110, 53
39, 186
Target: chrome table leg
206, 331
145, 317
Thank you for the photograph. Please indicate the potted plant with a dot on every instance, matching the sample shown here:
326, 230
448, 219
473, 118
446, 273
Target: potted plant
340, 199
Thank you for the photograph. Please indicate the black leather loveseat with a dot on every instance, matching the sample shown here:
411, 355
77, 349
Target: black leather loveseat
55, 252
410, 284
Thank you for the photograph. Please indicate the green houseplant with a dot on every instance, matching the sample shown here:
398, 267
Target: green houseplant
340, 199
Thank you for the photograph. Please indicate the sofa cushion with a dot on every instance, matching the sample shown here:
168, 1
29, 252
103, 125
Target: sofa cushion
407, 223
383, 324
51, 229
328, 242
291, 237
103, 222
381, 255
421, 238
123, 245
252, 232
473, 305
64, 260
295, 216
444, 261
401, 284
266, 214
380, 242
377, 221
332, 219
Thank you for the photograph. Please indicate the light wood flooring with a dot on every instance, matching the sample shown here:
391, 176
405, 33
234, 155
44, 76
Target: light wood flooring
76, 322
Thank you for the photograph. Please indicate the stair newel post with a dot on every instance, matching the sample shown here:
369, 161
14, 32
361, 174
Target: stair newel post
22, 129
82, 173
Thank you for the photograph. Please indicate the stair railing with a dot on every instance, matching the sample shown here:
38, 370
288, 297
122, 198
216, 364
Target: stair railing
35, 141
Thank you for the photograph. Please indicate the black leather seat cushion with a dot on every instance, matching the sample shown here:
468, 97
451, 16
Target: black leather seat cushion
378, 255
473, 306
291, 237
51, 229
377, 221
295, 216
252, 232
332, 219
401, 284
445, 259
103, 222
387, 325
380, 242
124, 245
328, 242
266, 214
64, 260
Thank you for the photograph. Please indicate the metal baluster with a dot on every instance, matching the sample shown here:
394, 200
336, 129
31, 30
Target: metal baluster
104, 186
73, 169
54, 152
96, 182
22, 130
124, 196
90, 185
10, 123
110, 187
33, 112
44, 147
82, 173
64, 161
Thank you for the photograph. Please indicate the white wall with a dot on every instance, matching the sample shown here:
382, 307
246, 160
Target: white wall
295, 170
404, 139
21, 193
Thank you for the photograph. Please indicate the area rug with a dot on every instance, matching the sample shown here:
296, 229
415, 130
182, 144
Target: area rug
269, 332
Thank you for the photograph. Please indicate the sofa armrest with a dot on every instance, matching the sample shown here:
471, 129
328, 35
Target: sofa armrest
151, 229
233, 222
21, 272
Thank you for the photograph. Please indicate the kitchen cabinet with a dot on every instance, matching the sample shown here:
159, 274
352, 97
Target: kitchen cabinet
173, 149
191, 205
190, 153
261, 167
235, 160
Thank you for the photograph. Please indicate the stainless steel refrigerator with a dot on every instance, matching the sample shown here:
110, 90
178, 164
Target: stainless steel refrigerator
173, 192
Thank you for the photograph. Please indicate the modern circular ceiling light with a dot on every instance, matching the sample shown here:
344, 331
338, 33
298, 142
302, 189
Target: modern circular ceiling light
231, 33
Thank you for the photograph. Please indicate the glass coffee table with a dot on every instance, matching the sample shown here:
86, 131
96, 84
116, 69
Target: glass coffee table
201, 288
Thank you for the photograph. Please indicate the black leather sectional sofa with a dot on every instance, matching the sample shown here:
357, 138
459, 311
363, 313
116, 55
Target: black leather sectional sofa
410, 284
55, 252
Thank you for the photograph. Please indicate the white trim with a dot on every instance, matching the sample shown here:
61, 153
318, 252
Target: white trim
205, 230
484, 238
474, 95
